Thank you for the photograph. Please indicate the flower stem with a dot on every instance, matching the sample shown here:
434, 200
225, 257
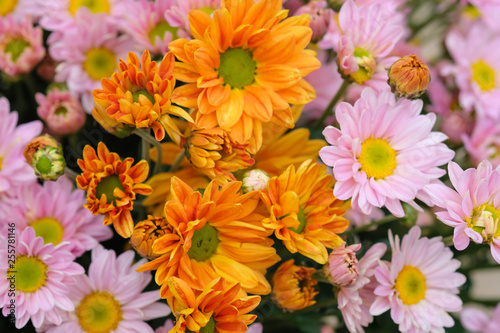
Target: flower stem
178, 161
329, 109
149, 139
145, 151
70, 174
386, 219
448, 241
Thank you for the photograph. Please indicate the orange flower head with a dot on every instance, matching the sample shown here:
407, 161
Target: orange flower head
213, 152
216, 234
146, 232
244, 66
219, 307
293, 287
409, 77
304, 214
138, 96
112, 185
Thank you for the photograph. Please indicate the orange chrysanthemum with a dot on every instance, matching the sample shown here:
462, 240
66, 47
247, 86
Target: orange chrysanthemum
146, 232
304, 214
293, 287
112, 185
244, 67
218, 308
215, 234
138, 95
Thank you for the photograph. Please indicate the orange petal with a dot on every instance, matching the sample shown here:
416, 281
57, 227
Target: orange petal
277, 77
230, 112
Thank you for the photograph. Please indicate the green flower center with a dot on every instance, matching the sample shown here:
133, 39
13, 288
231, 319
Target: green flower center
301, 216
160, 29
107, 186
237, 67
411, 286
100, 63
366, 64
99, 312
484, 75
203, 243
7, 6
95, 6
31, 274
142, 92
485, 221
49, 229
377, 158
44, 165
16, 48
61, 110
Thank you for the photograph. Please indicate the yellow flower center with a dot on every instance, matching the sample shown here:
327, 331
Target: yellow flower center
7, 6
484, 75
31, 273
366, 64
95, 6
49, 229
100, 63
301, 216
472, 11
99, 312
16, 48
160, 29
410, 284
485, 220
237, 67
107, 186
203, 243
1, 162
377, 158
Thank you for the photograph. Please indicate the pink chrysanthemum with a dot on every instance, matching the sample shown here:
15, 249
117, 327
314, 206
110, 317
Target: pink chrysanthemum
473, 209
88, 52
420, 284
489, 11
177, 15
354, 300
484, 142
43, 275
476, 69
21, 46
62, 113
477, 321
14, 171
110, 298
56, 213
19, 9
384, 152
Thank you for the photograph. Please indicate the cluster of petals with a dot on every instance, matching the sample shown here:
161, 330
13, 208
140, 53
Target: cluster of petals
178, 14
478, 321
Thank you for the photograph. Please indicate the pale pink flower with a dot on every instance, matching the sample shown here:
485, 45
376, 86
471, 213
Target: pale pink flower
255, 180
112, 285
420, 284
293, 5
342, 267
476, 320
354, 301
321, 16
21, 46
357, 218
255, 328
61, 112
44, 275
484, 142
476, 69
384, 152
177, 14
88, 52
169, 324
57, 214
14, 171
473, 209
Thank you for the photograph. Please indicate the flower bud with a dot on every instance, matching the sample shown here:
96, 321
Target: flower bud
409, 77
255, 180
320, 18
342, 267
46, 157
146, 232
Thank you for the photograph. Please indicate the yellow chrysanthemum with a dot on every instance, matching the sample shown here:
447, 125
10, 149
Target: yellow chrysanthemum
218, 308
138, 95
215, 234
293, 287
244, 66
112, 185
304, 214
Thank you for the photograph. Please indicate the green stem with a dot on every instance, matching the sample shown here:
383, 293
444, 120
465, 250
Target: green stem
448, 241
386, 219
178, 161
329, 109
145, 151
148, 138
71, 174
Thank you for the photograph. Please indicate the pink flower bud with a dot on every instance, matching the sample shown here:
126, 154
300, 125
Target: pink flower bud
342, 267
320, 18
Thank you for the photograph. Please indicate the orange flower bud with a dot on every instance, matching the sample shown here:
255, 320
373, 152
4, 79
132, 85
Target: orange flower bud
146, 232
409, 77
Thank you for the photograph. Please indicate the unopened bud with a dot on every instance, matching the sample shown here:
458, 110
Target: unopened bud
46, 157
342, 267
409, 77
146, 232
320, 18
255, 180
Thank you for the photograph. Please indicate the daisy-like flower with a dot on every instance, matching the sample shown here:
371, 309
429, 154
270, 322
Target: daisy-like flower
476, 69
110, 297
384, 152
420, 284
21, 46
304, 214
218, 308
293, 287
40, 207
88, 51
215, 234
477, 321
112, 185
138, 95
41, 275
473, 208
177, 14
14, 171
61, 112
244, 66
354, 300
